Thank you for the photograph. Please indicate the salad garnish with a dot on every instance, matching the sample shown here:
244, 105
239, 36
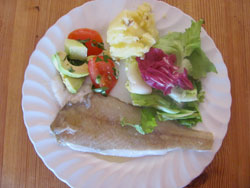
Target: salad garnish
159, 71
100, 45
187, 48
173, 67
101, 90
102, 74
90, 38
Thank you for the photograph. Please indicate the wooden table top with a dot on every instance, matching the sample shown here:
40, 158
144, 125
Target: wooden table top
24, 22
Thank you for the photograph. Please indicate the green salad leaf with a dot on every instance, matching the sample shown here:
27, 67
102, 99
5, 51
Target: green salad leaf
184, 114
157, 107
148, 119
187, 48
164, 108
172, 44
138, 127
201, 65
181, 95
189, 122
154, 100
191, 38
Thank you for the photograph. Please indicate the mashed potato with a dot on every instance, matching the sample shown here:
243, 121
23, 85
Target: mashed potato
132, 33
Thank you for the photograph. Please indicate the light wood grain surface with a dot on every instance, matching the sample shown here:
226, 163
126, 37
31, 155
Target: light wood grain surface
24, 22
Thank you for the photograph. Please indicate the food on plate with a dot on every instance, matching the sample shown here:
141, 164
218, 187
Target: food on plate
72, 84
132, 33
135, 83
103, 73
72, 64
75, 49
90, 38
187, 48
100, 131
160, 104
66, 67
159, 71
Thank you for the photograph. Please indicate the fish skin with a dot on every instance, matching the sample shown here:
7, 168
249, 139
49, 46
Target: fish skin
97, 129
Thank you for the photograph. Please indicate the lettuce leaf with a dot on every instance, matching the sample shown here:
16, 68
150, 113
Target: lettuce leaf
181, 95
185, 114
165, 107
187, 46
195, 118
190, 122
156, 106
148, 121
172, 44
156, 101
138, 127
181, 44
184, 117
191, 38
201, 65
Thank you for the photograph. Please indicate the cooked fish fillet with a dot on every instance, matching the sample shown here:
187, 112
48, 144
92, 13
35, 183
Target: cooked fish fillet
97, 129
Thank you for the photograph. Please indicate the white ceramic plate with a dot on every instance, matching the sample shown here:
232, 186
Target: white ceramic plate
176, 168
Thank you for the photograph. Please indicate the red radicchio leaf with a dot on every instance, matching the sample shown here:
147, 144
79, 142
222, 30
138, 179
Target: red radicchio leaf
158, 71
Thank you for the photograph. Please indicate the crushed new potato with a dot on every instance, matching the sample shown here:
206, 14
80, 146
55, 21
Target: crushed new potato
132, 33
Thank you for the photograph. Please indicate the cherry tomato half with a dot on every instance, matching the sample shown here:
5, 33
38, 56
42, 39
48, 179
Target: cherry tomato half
93, 39
102, 73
